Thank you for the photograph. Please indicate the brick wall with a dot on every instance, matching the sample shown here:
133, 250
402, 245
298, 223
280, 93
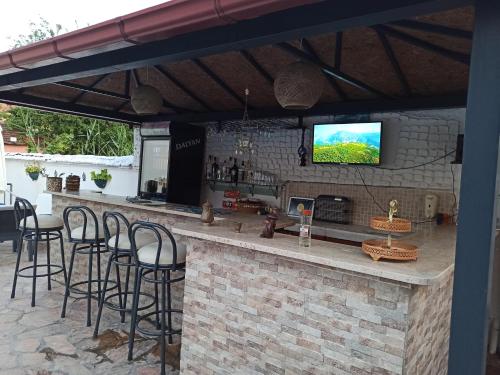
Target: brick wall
247, 312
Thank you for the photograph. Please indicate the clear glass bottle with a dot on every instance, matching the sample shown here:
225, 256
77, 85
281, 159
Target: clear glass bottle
305, 228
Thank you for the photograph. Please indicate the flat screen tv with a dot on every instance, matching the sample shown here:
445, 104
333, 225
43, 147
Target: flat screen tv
353, 143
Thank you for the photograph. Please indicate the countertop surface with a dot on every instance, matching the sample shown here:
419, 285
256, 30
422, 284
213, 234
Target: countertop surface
230, 218
436, 251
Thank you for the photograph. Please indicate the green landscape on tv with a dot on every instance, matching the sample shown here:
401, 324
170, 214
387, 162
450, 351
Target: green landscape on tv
347, 143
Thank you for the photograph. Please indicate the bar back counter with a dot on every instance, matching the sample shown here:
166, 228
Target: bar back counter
261, 306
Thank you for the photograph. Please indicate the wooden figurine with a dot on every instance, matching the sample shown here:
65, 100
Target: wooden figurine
207, 215
269, 225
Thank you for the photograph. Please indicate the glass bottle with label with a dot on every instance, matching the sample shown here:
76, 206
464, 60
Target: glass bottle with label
215, 169
305, 228
234, 172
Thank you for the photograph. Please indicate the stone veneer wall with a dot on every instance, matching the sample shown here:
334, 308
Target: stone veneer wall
81, 261
247, 312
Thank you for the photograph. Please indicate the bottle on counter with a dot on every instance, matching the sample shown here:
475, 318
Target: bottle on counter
224, 170
234, 172
215, 169
305, 228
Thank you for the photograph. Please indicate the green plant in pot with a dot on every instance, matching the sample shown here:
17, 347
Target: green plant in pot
34, 170
101, 179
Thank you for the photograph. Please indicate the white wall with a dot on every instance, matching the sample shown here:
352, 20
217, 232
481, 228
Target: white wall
123, 182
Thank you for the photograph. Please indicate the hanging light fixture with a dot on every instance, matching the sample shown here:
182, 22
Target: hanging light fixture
299, 85
146, 100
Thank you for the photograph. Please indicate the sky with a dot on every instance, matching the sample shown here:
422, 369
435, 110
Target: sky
73, 14
325, 130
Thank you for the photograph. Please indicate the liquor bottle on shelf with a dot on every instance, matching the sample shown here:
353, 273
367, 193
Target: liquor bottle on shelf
242, 172
215, 169
208, 168
234, 172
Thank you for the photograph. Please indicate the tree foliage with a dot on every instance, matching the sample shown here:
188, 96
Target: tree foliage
56, 133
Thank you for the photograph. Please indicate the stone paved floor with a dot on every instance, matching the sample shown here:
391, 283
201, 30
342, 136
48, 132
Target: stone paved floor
36, 341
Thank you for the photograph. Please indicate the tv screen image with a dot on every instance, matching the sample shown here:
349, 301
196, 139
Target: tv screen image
354, 143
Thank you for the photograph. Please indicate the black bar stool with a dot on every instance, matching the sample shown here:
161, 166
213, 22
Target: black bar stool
86, 240
34, 228
164, 257
121, 256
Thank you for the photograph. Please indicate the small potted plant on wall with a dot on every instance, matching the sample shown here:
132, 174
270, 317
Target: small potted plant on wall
101, 179
34, 170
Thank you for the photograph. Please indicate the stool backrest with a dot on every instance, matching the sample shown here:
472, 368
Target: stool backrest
89, 219
120, 222
22, 210
157, 230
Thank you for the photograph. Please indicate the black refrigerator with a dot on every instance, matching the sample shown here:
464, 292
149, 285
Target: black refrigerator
171, 162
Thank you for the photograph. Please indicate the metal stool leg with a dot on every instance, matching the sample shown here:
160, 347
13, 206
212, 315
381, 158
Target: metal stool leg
103, 296
127, 280
63, 262
99, 278
18, 261
135, 305
68, 281
89, 286
157, 303
163, 324
169, 306
49, 285
35, 258
119, 286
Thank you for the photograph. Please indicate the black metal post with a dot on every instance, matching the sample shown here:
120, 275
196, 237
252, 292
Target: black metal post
476, 221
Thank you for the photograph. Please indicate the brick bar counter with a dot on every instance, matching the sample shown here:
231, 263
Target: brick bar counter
264, 306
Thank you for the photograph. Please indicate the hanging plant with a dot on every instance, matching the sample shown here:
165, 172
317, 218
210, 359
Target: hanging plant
34, 170
101, 179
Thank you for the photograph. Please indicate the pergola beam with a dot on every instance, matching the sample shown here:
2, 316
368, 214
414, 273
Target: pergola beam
339, 37
410, 39
219, 81
319, 18
310, 50
94, 84
434, 28
252, 61
92, 90
330, 70
68, 108
166, 74
349, 107
394, 61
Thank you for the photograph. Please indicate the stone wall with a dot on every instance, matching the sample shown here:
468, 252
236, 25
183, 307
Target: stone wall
247, 312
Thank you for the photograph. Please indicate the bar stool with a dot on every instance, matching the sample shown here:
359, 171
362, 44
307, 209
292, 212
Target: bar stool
86, 240
163, 256
34, 228
121, 256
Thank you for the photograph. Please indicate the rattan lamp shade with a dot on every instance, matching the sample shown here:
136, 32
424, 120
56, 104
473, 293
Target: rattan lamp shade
146, 100
299, 85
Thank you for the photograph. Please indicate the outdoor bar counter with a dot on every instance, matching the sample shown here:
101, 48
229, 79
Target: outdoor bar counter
256, 305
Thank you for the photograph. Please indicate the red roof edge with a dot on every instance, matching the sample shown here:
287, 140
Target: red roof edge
162, 21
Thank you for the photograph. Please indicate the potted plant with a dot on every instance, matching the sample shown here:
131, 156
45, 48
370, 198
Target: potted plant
34, 170
101, 179
54, 183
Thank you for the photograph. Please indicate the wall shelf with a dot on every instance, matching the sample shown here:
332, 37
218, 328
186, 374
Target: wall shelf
246, 187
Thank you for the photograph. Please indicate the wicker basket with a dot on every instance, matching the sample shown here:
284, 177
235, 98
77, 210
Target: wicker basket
72, 183
54, 184
399, 250
398, 225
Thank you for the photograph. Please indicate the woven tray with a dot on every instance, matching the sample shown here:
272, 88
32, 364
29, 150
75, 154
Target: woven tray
398, 225
399, 250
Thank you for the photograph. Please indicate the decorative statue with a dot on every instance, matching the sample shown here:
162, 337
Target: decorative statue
207, 215
393, 208
269, 225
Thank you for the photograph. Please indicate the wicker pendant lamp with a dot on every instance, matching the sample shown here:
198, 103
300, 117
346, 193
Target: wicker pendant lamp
146, 100
299, 85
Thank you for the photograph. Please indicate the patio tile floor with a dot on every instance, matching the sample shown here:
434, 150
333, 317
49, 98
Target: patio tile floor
36, 341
